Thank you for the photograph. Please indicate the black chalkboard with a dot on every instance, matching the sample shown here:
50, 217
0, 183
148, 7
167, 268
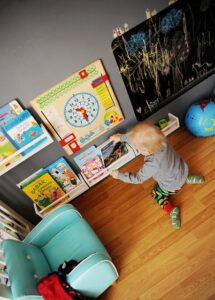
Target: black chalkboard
167, 54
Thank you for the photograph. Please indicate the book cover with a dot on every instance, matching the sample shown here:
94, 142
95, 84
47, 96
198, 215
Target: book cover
6, 233
62, 172
22, 130
90, 162
7, 112
6, 147
10, 225
92, 167
30, 178
113, 151
43, 190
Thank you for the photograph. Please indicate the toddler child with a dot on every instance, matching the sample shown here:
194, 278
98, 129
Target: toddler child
160, 162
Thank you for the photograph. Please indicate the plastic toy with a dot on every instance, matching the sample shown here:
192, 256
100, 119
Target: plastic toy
163, 123
200, 118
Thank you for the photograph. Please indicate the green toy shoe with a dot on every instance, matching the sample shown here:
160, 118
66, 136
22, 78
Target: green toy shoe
195, 179
175, 217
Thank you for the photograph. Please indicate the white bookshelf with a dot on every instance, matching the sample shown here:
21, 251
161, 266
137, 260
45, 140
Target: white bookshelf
172, 124
10, 166
78, 190
12, 226
114, 166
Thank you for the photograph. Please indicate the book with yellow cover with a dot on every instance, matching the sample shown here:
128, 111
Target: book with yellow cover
43, 190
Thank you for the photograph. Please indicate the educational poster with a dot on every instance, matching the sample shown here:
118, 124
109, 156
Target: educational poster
167, 54
80, 108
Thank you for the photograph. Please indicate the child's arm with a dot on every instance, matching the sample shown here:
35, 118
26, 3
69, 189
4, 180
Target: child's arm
118, 137
148, 170
114, 174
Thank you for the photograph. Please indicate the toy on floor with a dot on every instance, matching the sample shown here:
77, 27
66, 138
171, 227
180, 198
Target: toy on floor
200, 118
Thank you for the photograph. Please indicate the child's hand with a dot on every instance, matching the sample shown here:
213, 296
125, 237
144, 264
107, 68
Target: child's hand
114, 174
115, 137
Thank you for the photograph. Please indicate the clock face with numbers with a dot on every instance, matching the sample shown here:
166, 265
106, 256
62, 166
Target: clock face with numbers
81, 109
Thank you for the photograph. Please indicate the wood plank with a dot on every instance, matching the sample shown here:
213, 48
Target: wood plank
154, 261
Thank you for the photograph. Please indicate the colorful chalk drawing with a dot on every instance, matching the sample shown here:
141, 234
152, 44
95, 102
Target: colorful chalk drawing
167, 54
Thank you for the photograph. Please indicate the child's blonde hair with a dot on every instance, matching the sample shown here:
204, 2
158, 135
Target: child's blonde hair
147, 136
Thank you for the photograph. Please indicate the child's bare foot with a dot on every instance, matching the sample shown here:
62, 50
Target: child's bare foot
175, 216
195, 179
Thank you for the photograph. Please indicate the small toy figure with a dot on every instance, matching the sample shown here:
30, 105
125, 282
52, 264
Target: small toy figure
148, 13
117, 32
172, 1
126, 27
154, 12
163, 123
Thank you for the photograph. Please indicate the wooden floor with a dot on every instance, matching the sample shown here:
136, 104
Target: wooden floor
154, 261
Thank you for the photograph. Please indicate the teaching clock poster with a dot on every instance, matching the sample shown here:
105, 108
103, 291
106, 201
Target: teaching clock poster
80, 108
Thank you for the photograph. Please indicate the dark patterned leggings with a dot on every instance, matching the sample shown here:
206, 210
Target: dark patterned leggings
162, 197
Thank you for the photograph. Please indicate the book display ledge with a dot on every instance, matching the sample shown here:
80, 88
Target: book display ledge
10, 166
172, 124
114, 166
12, 226
78, 190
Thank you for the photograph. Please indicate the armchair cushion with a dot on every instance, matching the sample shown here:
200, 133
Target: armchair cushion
26, 265
53, 223
84, 277
82, 242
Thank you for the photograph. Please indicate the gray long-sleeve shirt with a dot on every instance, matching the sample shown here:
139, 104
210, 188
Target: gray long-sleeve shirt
165, 166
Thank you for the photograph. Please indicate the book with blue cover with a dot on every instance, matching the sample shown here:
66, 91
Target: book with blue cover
62, 172
8, 112
22, 130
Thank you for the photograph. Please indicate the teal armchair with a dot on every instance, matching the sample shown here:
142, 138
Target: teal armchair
61, 236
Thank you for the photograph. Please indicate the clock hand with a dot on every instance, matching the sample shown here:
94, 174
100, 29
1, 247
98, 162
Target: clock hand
83, 111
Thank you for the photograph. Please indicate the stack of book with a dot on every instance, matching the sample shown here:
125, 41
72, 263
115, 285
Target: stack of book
17, 129
94, 160
51, 183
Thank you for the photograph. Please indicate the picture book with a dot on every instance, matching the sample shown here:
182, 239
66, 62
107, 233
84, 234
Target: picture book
6, 233
22, 130
92, 167
90, 162
63, 174
7, 112
43, 190
6, 147
113, 151
31, 177
10, 225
